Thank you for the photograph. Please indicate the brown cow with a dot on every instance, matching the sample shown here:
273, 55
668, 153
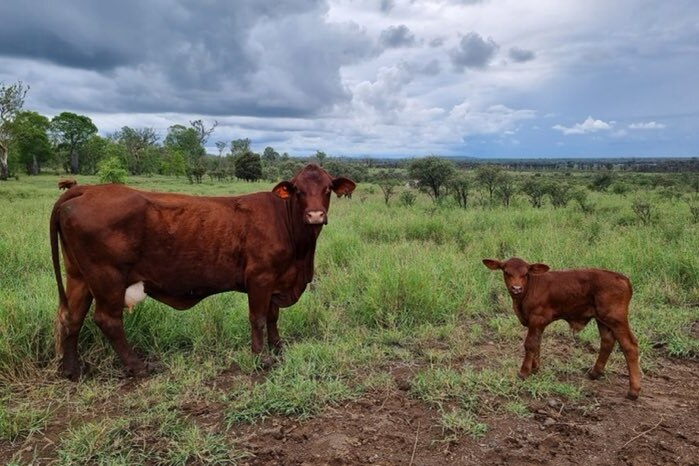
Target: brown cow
577, 296
66, 183
120, 244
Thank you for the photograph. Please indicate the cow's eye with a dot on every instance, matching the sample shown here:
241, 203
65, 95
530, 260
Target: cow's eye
301, 194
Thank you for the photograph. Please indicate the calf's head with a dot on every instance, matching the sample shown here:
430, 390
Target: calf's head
310, 189
516, 273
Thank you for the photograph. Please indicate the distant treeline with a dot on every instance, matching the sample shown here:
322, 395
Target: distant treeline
648, 165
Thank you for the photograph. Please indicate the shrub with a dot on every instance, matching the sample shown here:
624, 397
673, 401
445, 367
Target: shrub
407, 198
111, 170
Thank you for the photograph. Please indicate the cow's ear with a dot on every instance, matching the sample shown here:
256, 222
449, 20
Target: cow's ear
492, 264
343, 186
284, 189
538, 268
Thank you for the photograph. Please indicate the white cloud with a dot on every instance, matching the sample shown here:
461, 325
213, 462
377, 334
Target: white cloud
647, 125
590, 125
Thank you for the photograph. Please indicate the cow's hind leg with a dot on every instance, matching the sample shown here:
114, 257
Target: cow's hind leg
69, 321
605, 349
109, 309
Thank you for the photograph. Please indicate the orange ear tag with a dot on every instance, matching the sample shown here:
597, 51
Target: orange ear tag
282, 192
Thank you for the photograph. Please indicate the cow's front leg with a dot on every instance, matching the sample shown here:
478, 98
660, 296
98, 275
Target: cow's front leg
259, 305
273, 339
532, 345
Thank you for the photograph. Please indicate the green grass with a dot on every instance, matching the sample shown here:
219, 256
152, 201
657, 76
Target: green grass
394, 286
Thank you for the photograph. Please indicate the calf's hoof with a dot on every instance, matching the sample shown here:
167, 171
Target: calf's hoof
593, 374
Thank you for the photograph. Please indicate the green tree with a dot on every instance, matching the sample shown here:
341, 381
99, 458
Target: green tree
535, 190
187, 142
248, 166
139, 148
505, 188
93, 151
11, 103
559, 193
432, 174
388, 181
240, 146
71, 131
488, 176
320, 156
460, 187
30, 141
270, 156
174, 163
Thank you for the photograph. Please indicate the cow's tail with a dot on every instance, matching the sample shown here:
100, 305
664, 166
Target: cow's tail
54, 232
54, 239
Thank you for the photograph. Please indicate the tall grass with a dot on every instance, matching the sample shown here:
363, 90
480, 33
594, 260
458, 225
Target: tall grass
377, 268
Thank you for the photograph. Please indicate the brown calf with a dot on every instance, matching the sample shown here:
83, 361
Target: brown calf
66, 183
540, 296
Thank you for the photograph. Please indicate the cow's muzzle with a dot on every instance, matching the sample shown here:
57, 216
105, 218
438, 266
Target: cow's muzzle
316, 217
516, 289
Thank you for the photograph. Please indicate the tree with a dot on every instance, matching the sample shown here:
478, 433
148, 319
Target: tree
240, 146
535, 190
505, 188
186, 142
30, 141
202, 132
11, 103
320, 156
248, 166
111, 170
460, 186
432, 174
487, 175
270, 155
388, 181
72, 131
139, 149
559, 193
95, 150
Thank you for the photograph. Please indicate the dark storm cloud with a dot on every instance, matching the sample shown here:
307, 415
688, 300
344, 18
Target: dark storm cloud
397, 36
473, 52
249, 57
521, 55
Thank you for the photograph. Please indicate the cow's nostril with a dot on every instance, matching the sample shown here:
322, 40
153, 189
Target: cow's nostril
315, 217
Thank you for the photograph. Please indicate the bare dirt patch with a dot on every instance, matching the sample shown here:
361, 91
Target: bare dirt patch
391, 427
661, 427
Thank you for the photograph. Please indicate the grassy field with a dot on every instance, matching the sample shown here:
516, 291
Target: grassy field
394, 285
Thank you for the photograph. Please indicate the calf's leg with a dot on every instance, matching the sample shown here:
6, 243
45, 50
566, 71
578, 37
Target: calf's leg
605, 349
532, 347
622, 332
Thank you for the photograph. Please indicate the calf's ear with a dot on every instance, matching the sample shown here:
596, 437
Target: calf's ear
538, 268
284, 189
492, 264
342, 185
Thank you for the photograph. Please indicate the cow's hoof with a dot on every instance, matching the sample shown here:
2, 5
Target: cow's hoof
632, 395
593, 374
73, 374
522, 375
136, 370
277, 348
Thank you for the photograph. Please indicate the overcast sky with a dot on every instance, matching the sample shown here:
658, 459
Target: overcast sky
483, 78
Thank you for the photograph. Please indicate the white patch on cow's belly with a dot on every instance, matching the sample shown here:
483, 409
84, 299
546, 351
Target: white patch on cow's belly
134, 295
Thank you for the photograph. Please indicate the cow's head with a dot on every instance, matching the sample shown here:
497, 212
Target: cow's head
311, 188
516, 273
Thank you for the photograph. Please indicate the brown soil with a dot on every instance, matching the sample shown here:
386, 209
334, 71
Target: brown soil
392, 428
661, 427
